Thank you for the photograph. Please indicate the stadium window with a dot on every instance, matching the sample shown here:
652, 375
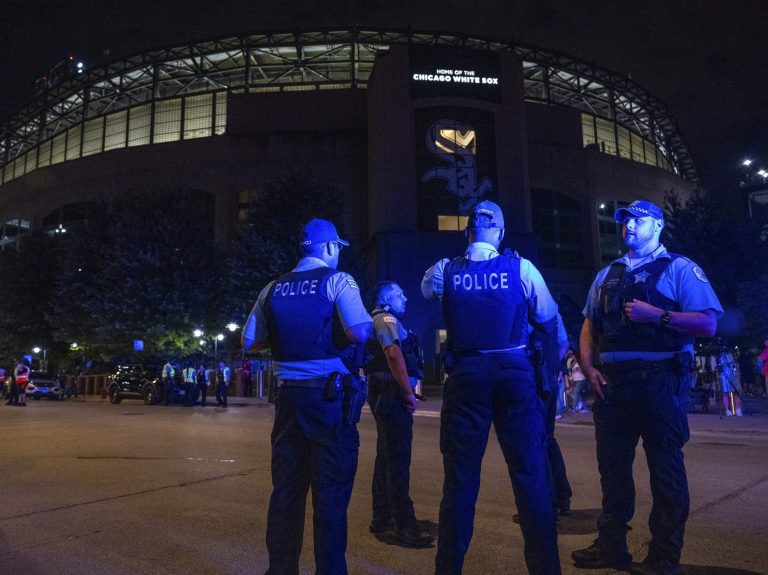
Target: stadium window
44, 154
451, 222
115, 130
557, 222
625, 147
198, 116
221, 113
30, 160
588, 129
606, 137
93, 136
139, 125
609, 231
167, 121
73, 142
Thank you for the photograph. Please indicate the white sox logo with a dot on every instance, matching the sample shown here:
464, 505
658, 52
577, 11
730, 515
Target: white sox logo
456, 143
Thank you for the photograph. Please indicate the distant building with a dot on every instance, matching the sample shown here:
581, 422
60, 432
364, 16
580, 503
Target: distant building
412, 128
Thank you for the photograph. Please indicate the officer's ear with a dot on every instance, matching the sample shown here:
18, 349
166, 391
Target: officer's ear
501, 234
466, 233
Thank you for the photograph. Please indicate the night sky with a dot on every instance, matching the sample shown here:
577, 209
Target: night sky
706, 59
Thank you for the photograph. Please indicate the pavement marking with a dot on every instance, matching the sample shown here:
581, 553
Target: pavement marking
732, 495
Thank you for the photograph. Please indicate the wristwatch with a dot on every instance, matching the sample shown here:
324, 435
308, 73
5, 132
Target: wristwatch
665, 317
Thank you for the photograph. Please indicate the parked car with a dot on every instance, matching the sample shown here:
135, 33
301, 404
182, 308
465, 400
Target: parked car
43, 384
143, 382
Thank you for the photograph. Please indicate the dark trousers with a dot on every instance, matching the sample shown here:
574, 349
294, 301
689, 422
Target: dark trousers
168, 390
494, 388
222, 391
655, 408
13, 393
203, 393
391, 471
311, 447
189, 393
559, 484
248, 386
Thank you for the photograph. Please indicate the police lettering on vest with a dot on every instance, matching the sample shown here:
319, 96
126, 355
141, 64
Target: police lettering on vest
481, 281
293, 288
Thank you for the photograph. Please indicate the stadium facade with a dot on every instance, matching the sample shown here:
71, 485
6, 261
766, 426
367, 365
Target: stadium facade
412, 128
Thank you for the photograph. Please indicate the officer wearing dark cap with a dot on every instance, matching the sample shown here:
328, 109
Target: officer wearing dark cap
642, 314
306, 317
392, 374
488, 300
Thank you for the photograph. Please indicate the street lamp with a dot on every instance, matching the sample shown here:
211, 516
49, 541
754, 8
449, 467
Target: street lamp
43, 363
232, 326
216, 341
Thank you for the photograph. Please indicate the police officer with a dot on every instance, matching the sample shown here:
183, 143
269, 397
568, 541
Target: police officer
201, 379
169, 374
642, 314
392, 375
223, 378
190, 379
488, 300
304, 316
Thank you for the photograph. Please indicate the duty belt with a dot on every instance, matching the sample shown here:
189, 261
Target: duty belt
313, 382
639, 369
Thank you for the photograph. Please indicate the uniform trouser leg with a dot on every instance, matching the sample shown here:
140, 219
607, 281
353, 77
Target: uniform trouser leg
520, 423
397, 429
168, 391
203, 394
665, 432
616, 439
311, 446
464, 424
478, 391
559, 484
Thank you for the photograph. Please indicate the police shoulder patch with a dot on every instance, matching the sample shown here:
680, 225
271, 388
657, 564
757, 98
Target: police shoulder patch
352, 283
699, 273
389, 319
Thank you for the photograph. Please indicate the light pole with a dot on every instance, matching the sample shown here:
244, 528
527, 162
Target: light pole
43, 362
216, 340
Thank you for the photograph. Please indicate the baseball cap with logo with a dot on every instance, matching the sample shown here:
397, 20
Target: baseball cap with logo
486, 215
639, 209
319, 231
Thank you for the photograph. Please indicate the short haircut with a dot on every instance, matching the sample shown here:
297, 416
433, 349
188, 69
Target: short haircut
381, 289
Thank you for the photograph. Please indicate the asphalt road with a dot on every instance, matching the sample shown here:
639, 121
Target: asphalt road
92, 488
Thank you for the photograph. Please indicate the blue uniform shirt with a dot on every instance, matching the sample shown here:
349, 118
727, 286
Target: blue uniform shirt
340, 289
541, 305
683, 281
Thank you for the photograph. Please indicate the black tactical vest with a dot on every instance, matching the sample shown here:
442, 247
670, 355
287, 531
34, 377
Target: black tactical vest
484, 305
409, 346
300, 317
616, 331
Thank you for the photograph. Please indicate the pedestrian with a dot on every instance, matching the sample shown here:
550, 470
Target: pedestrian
13, 389
392, 376
247, 378
21, 376
169, 374
202, 380
190, 382
578, 383
317, 404
762, 369
488, 300
223, 379
636, 348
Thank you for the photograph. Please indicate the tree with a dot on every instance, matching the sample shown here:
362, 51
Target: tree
268, 245
712, 230
146, 269
28, 288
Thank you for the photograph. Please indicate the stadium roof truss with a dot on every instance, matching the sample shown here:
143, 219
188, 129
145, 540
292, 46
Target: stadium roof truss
312, 60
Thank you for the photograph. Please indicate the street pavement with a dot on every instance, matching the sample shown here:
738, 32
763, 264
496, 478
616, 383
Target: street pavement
93, 488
